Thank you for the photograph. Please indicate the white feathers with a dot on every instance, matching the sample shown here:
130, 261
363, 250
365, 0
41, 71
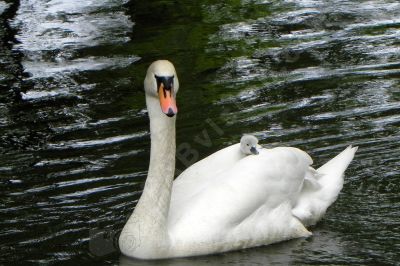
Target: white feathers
321, 188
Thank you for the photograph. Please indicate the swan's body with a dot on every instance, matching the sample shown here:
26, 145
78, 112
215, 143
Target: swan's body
226, 201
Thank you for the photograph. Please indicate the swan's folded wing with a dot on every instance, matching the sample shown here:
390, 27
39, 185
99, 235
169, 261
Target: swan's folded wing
258, 182
214, 163
198, 175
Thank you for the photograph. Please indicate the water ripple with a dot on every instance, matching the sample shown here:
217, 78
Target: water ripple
311, 74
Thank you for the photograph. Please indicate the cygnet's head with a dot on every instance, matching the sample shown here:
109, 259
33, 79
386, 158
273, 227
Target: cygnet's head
161, 85
248, 145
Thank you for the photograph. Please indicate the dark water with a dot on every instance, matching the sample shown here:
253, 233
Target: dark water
74, 133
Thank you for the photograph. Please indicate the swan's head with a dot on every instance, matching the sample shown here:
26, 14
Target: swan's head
162, 83
248, 144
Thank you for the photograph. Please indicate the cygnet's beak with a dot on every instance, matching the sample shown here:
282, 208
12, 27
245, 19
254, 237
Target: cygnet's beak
166, 95
254, 150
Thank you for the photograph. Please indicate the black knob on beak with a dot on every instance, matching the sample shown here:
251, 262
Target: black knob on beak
253, 150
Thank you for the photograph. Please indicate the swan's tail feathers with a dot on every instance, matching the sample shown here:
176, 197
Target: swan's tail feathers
313, 203
339, 163
332, 173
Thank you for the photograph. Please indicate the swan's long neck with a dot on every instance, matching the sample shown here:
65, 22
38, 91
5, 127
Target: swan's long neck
156, 195
148, 223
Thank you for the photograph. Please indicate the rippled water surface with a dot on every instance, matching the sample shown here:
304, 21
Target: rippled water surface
74, 138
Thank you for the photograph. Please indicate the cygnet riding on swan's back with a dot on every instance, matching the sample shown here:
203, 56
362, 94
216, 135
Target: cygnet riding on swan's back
248, 145
228, 200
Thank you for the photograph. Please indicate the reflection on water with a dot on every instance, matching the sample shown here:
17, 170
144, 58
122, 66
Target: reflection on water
74, 132
328, 246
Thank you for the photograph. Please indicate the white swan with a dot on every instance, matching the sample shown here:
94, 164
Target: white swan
226, 201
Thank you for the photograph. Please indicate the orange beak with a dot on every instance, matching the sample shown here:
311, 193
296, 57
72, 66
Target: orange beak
167, 101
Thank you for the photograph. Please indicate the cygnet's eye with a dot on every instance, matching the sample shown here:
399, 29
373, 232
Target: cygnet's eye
247, 144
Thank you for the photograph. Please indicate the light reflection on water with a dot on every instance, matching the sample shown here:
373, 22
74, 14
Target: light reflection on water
314, 75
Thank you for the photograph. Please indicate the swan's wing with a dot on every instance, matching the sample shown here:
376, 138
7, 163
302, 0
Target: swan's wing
253, 198
321, 188
198, 175
220, 160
